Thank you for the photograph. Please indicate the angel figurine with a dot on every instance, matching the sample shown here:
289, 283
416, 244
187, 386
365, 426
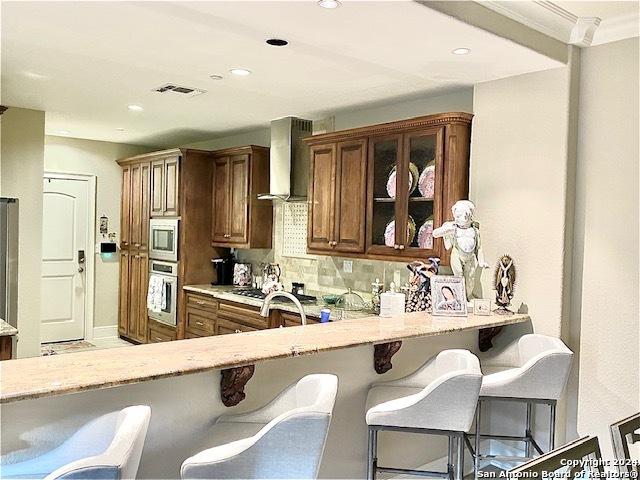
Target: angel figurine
462, 237
504, 283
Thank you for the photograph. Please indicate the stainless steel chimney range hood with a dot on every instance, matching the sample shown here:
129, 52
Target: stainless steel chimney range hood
288, 160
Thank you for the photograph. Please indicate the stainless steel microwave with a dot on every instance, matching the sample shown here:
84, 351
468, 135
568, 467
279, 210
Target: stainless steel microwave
163, 239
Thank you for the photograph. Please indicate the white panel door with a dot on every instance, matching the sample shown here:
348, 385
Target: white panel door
64, 242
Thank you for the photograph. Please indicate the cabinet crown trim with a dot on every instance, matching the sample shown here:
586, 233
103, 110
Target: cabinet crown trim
238, 150
391, 127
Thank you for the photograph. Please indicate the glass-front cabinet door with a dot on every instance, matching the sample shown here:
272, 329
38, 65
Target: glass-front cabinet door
385, 153
405, 191
423, 155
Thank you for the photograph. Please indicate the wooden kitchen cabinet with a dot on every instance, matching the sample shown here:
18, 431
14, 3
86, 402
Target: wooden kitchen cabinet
134, 279
239, 219
134, 245
158, 332
288, 319
368, 194
163, 184
165, 178
201, 315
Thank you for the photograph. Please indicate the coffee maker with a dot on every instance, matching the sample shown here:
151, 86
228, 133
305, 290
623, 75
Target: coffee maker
223, 268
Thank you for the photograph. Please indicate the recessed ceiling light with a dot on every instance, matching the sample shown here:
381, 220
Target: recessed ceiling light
120, 129
135, 108
62, 132
461, 51
241, 72
329, 3
277, 42
215, 77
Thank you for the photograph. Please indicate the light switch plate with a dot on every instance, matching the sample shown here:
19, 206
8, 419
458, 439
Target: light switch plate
347, 266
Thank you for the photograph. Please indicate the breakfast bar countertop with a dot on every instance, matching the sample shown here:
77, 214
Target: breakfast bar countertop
30, 378
7, 330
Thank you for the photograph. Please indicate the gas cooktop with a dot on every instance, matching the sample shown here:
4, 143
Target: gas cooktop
257, 294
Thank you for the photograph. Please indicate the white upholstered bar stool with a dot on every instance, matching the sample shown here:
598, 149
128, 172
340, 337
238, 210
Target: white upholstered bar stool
534, 370
438, 399
284, 439
108, 447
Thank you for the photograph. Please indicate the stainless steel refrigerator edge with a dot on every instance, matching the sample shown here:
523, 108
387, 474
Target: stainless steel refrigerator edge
9, 260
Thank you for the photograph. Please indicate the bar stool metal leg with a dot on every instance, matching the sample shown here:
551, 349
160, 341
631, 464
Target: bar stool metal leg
370, 454
450, 461
527, 432
460, 458
476, 457
552, 426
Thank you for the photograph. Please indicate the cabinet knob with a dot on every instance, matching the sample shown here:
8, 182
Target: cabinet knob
238, 331
125, 242
199, 302
400, 247
334, 243
227, 235
395, 247
329, 243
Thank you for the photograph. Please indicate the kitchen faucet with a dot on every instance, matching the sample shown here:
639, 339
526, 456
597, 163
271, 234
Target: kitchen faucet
264, 310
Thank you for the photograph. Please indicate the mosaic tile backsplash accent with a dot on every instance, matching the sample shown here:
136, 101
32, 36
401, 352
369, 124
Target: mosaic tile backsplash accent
319, 273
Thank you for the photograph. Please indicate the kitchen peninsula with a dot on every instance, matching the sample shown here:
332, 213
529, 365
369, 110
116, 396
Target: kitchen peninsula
32, 378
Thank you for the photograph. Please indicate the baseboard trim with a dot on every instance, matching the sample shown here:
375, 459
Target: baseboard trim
110, 331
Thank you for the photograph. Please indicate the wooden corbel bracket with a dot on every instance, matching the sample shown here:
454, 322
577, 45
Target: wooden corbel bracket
485, 337
232, 383
382, 354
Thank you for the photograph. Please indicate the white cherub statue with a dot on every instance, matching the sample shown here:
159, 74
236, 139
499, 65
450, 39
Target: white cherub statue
463, 234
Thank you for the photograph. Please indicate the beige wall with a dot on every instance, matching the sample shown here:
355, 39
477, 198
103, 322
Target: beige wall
606, 279
21, 176
518, 182
72, 155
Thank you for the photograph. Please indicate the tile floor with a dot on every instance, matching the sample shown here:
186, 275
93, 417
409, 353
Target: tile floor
82, 345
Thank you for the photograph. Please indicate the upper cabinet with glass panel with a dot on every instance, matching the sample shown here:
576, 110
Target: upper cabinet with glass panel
415, 170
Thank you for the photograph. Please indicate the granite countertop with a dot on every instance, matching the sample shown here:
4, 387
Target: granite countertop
7, 330
36, 377
226, 292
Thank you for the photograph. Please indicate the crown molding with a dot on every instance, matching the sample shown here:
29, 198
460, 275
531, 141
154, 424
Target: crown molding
543, 16
556, 22
617, 28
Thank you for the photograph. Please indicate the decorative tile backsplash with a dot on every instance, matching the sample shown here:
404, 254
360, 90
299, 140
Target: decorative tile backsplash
294, 219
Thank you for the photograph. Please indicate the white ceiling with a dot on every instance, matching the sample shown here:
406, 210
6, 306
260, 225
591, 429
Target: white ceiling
84, 62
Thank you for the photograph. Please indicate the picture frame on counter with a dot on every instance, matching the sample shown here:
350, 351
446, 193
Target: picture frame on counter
482, 306
448, 296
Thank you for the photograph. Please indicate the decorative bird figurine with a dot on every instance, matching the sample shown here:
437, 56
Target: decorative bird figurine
504, 283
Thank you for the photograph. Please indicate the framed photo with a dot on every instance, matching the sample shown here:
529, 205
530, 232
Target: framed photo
448, 296
482, 306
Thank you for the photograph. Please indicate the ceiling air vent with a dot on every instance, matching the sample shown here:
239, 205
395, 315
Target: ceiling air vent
179, 90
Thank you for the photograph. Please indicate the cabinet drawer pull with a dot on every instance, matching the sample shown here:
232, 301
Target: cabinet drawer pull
401, 247
227, 235
200, 302
237, 330
159, 339
136, 244
199, 323
125, 242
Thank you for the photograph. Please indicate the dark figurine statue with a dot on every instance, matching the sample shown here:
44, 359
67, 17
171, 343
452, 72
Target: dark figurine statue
504, 283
